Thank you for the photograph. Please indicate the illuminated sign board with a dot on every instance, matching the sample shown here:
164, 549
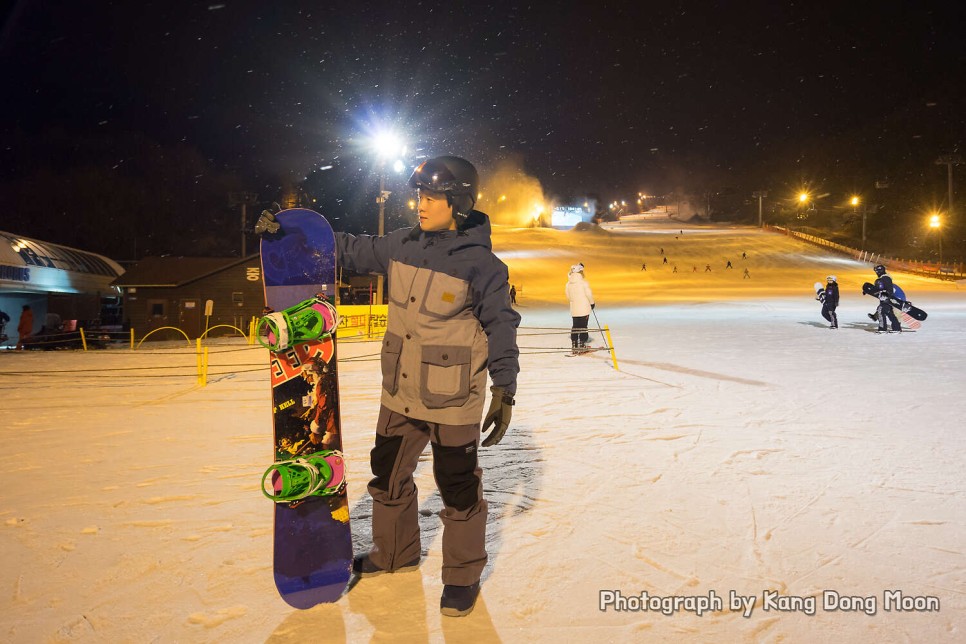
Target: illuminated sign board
570, 216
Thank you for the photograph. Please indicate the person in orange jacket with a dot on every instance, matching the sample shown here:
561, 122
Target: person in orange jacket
25, 327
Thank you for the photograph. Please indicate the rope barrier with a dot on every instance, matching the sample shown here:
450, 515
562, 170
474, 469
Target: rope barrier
201, 354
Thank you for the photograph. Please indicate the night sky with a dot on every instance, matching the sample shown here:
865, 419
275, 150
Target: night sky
604, 97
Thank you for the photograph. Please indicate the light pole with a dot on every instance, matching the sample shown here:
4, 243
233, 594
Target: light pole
243, 199
387, 146
761, 194
949, 160
935, 222
855, 201
802, 205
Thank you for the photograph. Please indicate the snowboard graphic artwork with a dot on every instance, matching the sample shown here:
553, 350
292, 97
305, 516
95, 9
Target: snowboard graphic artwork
307, 481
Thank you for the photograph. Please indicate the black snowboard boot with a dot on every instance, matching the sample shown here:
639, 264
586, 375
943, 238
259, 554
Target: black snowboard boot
363, 567
458, 601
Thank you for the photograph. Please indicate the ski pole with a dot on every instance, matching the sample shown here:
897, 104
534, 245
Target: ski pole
598, 327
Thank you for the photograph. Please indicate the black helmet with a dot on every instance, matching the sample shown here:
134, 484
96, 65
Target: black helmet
453, 176
879, 270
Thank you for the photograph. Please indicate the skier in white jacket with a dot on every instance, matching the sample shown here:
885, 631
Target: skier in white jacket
581, 304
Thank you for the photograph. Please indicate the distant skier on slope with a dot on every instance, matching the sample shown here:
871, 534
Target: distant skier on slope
581, 304
829, 297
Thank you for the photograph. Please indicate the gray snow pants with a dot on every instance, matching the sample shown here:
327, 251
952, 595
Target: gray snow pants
395, 519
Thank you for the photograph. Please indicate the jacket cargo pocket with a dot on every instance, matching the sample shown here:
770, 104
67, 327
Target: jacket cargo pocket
445, 296
445, 376
391, 351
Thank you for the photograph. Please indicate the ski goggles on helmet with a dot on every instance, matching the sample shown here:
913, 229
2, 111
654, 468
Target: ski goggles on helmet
436, 177
830, 278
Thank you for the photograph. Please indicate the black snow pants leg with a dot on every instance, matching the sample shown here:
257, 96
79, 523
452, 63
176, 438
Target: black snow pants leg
395, 520
829, 314
578, 332
887, 316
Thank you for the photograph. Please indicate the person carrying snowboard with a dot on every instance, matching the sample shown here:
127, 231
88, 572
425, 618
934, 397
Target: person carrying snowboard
581, 304
449, 322
830, 301
883, 289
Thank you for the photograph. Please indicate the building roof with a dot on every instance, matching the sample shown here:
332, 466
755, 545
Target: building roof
31, 266
176, 271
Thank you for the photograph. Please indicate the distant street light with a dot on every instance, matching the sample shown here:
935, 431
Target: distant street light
803, 198
935, 222
855, 201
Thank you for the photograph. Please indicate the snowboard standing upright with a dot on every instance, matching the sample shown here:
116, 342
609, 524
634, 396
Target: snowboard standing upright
313, 544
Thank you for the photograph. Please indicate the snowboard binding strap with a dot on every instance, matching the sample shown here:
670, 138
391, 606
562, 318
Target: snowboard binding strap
300, 478
307, 321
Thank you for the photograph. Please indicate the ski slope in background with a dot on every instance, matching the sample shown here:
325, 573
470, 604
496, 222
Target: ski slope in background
742, 446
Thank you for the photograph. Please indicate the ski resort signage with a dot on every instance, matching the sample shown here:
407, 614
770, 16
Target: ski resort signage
14, 273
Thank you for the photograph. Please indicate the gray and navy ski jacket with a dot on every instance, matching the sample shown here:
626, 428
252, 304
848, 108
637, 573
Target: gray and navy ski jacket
450, 318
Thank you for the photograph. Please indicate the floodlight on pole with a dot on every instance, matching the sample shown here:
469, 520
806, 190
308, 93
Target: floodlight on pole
935, 222
387, 145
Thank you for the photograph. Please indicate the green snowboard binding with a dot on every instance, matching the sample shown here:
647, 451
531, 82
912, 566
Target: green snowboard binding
305, 322
319, 474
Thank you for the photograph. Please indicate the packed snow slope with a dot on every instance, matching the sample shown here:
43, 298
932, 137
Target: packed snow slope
742, 449
616, 254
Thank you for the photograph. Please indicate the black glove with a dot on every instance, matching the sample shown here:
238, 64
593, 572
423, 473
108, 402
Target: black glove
592, 306
501, 408
266, 222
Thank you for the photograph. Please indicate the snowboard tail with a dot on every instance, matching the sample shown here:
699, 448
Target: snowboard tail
307, 481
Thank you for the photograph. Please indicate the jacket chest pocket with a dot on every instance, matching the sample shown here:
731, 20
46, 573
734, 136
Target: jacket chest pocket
445, 295
389, 358
401, 281
445, 376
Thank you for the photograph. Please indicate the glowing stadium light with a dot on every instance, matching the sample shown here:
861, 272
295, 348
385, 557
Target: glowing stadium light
387, 144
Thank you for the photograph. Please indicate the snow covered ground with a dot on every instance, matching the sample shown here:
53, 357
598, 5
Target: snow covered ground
742, 447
